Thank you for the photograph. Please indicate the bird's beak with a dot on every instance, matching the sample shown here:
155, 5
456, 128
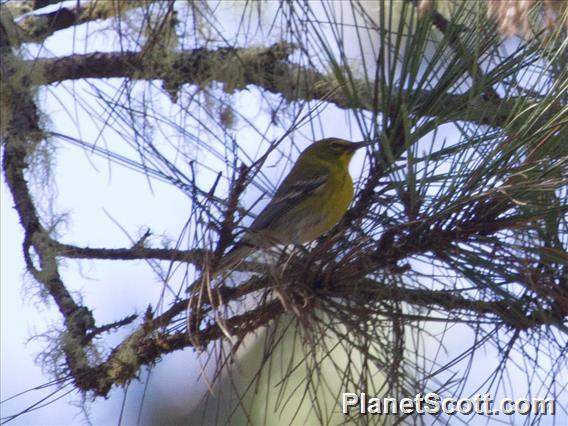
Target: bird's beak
356, 145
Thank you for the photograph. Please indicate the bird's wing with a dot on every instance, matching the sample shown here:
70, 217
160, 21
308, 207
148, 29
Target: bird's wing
292, 191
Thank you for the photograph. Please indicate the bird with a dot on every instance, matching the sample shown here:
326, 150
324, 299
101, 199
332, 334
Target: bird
309, 202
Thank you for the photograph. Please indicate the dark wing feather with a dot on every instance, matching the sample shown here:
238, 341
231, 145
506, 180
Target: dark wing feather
297, 185
292, 191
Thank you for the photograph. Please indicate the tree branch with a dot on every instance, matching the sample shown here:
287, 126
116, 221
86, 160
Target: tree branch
135, 253
266, 68
36, 28
147, 343
20, 137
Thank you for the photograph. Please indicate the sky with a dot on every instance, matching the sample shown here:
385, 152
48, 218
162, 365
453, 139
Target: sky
110, 206
103, 205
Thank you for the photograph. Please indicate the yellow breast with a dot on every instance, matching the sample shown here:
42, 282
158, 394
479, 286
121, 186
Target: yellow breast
332, 205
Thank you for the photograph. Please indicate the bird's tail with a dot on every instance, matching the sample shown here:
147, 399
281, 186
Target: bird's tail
198, 288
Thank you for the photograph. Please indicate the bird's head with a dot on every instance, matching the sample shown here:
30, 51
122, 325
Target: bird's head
332, 150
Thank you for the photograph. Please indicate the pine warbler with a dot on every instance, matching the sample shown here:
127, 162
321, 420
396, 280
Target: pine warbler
310, 201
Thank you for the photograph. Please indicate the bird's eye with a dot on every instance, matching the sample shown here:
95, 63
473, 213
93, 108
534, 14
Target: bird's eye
337, 146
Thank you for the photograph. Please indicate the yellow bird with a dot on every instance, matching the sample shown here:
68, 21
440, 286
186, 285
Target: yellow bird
310, 201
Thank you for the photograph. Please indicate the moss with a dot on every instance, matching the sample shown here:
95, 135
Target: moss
18, 8
125, 361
